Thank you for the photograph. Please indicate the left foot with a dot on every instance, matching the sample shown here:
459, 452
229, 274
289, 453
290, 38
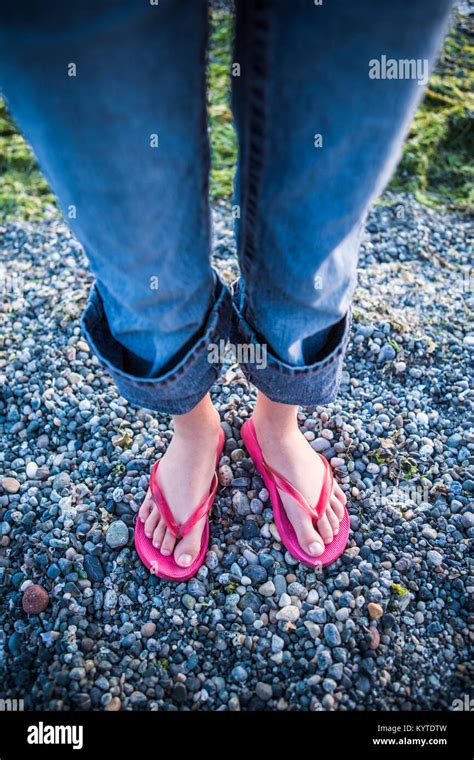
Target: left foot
286, 449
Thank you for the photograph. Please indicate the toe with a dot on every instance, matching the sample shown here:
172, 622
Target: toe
151, 522
339, 493
308, 538
146, 506
159, 533
333, 519
325, 530
189, 546
168, 543
337, 506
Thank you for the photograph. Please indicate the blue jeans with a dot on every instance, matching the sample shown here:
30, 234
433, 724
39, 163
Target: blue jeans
111, 96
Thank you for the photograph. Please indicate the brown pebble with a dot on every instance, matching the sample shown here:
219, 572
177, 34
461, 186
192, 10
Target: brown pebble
114, 705
35, 599
375, 636
375, 611
11, 485
225, 475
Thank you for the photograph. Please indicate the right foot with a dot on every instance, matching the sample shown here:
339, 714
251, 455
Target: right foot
185, 475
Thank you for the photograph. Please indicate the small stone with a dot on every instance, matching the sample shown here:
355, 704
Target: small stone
93, 568
423, 419
434, 558
225, 475
148, 629
114, 705
11, 485
267, 589
375, 637
264, 691
117, 535
375, 610
35, 599
290, 613
239, 674
386, 354
180, 693
188, 601
320, 444
467, 520
31, 470
332, 635
241, 503
277, 643
110, 599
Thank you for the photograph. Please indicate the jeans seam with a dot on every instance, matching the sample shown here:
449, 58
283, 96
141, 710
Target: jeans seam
254, 125
205, 147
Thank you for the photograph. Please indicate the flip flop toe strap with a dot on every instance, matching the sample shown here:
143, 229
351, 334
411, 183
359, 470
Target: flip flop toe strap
180, 530
284, 485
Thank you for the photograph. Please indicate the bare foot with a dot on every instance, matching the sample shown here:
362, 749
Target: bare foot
185, 475
286, 449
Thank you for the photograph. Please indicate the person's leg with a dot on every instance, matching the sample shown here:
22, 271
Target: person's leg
111, 96
319, 136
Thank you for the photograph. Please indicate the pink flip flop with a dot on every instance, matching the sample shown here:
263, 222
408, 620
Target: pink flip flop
165, 566
275, 482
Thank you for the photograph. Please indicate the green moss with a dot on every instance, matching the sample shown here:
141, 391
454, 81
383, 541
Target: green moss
437, 158
24, 193
436, 164
222, 133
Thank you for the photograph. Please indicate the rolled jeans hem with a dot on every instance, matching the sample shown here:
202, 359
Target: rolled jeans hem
311, 384
178, 390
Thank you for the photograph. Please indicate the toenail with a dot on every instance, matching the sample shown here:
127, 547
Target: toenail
185, 559
315, 549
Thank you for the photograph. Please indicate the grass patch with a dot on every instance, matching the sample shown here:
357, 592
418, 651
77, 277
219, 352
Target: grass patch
222, 134
437, 158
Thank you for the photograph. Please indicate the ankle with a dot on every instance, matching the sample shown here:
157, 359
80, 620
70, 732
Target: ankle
202, 428
270, 419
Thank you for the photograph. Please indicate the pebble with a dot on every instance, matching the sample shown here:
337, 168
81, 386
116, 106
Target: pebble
93, 568
11, 485
332, 635
435, 558
117, 535
375, 611
267, 589
35, 599
289, 613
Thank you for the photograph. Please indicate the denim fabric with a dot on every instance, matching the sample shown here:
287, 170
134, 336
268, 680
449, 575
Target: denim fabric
305, 72
315, 383
124, 145
173, 391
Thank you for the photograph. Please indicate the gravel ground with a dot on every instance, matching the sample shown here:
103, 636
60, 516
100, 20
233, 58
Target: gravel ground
386, 627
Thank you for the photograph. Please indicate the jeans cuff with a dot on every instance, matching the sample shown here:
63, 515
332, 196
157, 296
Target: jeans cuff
178, 390
310, 384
